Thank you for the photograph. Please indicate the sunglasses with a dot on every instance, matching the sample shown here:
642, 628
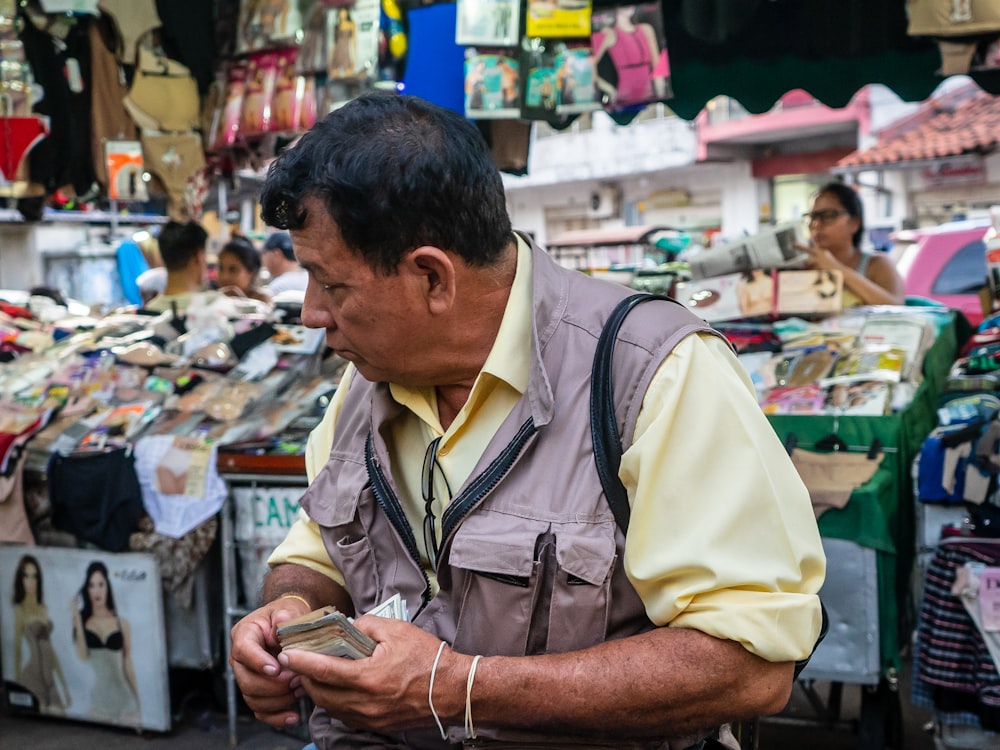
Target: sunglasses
825, 216
427, 492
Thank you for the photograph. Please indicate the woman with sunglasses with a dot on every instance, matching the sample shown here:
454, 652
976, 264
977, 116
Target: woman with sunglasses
836, 225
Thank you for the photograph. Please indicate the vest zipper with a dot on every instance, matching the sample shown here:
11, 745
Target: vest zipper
482, 485
456, 510
394, 512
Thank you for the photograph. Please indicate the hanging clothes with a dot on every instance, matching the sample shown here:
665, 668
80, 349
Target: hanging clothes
133, 19
188, 35
954, 667
832, 477
110, 120
63, 70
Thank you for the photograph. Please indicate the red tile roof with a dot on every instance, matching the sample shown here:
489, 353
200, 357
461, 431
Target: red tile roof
971, 127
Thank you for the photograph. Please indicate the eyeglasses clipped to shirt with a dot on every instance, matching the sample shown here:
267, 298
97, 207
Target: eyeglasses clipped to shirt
825, 216
427, 492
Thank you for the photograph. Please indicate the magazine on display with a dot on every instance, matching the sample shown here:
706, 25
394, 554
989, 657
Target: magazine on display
816, 292
489, 22
82, 636
540, 87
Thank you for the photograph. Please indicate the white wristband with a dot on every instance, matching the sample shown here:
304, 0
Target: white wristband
470, 730
430, 692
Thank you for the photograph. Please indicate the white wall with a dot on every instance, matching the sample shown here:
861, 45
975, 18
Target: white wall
20, 264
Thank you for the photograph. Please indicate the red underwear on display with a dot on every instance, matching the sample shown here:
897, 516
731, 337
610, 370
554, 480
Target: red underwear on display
18, 135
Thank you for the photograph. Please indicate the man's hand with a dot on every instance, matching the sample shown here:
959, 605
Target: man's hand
270, 690
387, 691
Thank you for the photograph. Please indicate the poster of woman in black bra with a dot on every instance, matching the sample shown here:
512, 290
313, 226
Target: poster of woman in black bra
82, 659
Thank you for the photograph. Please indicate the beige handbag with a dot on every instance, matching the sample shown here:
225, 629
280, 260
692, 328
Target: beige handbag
164, 95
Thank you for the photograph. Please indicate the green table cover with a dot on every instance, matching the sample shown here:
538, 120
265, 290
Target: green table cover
880, 514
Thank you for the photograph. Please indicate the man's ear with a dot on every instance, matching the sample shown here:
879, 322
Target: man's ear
435, 273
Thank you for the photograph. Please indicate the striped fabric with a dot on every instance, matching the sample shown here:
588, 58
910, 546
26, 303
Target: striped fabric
952, 664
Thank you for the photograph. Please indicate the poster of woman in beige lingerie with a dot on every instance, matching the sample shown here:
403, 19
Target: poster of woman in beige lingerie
36, 666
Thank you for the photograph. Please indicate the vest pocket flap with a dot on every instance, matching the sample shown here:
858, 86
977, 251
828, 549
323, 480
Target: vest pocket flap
493, 555
587, 558
332, 498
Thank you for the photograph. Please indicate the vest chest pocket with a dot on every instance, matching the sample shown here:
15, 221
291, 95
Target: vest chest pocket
346, 534
530, 587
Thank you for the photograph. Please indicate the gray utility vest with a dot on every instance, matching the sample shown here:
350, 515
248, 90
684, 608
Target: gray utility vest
531, 558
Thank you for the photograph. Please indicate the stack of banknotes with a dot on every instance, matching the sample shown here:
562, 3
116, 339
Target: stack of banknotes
327, 630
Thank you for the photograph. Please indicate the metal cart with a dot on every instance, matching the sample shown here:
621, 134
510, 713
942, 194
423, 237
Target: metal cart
255, 517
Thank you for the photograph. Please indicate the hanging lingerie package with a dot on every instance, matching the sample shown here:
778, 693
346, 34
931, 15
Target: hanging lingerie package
492, 83
353, 42
558, 20
125, 169
631, 55
268, 23
164, 95
289, 94
229, 120
492, 23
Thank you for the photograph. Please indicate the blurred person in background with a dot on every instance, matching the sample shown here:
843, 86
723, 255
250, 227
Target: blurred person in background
836, 226
238, 265
182, 247
279, 260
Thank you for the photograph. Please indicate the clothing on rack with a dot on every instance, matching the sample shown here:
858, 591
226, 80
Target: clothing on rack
954, 672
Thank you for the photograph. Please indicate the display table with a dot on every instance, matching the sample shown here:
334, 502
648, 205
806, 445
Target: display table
870, 542
880, 514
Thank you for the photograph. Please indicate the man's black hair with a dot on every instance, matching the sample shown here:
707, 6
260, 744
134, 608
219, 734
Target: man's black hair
395, 173
179, 243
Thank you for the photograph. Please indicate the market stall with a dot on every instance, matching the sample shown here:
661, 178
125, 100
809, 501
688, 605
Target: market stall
112, 463
851, 393
870, 547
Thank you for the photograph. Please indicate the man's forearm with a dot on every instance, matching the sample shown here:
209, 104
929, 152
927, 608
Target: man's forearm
317, 589
667, 682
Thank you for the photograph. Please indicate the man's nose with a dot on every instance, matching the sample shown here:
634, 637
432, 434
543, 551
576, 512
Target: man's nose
314, 314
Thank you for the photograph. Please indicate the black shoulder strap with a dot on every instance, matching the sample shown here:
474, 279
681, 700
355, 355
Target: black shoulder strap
603, 423
607, 441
